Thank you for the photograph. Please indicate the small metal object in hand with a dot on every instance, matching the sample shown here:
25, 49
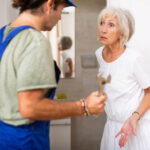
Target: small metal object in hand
103, 81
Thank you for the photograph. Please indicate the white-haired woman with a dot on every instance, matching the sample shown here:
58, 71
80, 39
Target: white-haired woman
127, 107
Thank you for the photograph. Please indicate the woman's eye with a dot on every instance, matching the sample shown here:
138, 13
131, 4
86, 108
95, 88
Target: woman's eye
101, 23
111, 25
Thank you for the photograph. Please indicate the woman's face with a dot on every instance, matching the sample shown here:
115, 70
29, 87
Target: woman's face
108, 31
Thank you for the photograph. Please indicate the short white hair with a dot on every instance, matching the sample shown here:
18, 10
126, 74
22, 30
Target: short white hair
125, 20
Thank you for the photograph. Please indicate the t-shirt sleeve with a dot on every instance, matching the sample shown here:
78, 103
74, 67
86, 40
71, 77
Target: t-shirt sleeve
142, 72
36, 67
98, 54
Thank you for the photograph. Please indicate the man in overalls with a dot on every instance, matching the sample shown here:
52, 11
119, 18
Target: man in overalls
29, 76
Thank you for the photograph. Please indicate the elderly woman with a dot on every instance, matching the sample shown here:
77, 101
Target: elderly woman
127, 107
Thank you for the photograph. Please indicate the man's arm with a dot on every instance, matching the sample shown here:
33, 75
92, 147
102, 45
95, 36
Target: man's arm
32, 105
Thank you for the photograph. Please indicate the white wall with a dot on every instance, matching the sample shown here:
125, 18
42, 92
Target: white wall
141, 12
7, 13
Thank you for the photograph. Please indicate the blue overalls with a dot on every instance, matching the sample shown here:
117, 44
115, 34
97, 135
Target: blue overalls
34, 136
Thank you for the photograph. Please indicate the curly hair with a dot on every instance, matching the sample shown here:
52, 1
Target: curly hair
65, 42
23, 5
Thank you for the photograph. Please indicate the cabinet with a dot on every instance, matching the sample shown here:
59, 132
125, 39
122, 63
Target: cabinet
60, 134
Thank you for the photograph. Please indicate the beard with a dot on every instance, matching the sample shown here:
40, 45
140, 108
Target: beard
46, 28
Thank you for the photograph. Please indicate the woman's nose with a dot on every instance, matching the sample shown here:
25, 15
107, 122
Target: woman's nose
104, 29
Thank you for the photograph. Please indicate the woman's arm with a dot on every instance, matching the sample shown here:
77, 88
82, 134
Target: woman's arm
129, 126
145, 104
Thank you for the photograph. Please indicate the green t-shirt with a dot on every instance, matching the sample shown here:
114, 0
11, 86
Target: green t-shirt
26, 64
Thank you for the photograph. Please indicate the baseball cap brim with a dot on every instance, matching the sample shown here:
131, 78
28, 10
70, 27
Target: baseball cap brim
71, 3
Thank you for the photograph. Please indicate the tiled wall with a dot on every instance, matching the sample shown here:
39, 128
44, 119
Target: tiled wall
86, 134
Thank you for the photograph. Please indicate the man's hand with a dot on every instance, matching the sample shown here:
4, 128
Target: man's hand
96, 103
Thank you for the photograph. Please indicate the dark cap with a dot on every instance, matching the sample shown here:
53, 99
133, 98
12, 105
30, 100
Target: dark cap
71, 3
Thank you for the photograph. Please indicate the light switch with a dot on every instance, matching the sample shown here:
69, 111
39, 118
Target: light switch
88, 61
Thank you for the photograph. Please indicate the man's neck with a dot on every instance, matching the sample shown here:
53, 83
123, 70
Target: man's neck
26, 18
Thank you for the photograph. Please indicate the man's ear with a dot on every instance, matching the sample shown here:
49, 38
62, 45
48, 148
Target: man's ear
50, 4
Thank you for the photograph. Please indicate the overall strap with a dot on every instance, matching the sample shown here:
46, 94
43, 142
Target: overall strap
2, 33
57, 77
11, 35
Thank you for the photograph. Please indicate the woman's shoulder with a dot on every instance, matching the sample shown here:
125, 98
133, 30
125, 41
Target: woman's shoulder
133, 53
99, 51
134, 57
98, 54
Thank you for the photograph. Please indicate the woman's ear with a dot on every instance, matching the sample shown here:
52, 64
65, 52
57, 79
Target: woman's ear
121, 35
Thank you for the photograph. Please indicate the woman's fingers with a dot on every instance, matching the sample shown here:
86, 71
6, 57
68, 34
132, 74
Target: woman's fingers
118, 133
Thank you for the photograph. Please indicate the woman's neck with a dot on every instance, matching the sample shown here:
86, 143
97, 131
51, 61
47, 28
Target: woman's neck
115, 49
113, 52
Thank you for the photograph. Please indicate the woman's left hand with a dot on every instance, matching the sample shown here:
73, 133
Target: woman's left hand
128, 128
